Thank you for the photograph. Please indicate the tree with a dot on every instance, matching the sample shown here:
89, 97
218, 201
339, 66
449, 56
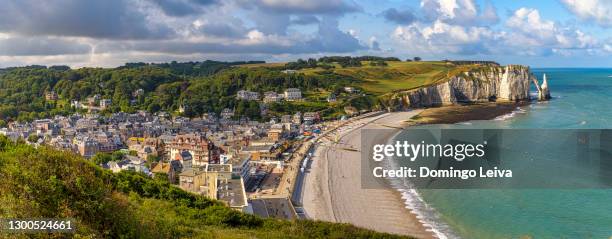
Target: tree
416, 58
101, 158
33, 138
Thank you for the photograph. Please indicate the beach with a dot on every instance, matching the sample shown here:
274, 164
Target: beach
332, 186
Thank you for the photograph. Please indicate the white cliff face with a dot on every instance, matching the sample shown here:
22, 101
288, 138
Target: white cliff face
544, 93
510, 83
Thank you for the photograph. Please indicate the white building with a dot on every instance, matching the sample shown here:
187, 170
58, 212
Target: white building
272, 96
293, 94
105, 103
247, 95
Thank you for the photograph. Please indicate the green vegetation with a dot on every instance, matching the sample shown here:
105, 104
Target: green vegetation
209, 87
46, 183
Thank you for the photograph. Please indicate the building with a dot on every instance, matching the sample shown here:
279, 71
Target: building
247, 95
76, 104
138, 92
331, 98
87, 147
285, 119
297, 118
349, 89
215, 181
51, 95
293, 94
227, 113
170, 169
275, 134
193, 147
271, 97
105, 103
311, 117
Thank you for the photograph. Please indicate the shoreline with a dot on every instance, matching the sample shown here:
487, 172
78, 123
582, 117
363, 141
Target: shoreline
332, 186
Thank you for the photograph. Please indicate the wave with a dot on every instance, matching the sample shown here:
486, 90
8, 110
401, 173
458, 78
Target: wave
516, 111
426, 214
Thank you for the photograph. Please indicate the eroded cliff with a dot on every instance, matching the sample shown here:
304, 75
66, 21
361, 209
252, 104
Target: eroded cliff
490, 83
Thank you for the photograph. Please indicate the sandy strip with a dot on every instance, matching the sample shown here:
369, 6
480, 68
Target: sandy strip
332, 187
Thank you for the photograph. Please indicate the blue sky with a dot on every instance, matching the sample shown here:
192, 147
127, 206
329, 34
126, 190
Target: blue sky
107, 33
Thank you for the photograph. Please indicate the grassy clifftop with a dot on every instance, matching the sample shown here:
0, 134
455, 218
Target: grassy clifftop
46, 183
395, 76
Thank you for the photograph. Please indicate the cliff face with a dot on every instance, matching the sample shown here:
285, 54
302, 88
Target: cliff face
509, 83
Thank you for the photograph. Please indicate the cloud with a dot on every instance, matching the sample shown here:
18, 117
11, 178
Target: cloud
40, 46
402, 17
464, 12
305, 20
333, 7
529, 30
599, 11
525, 33
328, 39
109, 19
180, 8
441, 37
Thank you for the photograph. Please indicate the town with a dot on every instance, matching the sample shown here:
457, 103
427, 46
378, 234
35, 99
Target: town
249, 165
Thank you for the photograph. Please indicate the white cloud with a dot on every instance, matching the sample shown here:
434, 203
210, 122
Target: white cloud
441, 37
525, 33
465, 12
599, 11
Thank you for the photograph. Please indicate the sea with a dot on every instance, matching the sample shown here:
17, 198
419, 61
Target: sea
582, 99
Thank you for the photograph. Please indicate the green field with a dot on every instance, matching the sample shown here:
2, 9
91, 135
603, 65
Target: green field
397, 76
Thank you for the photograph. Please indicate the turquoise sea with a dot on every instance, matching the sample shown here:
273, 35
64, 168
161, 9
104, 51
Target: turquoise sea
582, 98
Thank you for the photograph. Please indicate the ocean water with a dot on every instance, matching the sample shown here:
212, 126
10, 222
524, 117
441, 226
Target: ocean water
582, 98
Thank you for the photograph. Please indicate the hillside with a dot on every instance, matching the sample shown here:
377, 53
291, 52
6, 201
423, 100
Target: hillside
209, 87
45, 183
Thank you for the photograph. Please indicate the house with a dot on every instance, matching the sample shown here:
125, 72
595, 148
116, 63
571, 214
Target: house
331, 98
292, 94
349, 89
227, 113
289, 71
51, 95
76, 104
297, 118
247, 95
311, 117
285, 119
215, 181
170, 169
105, 103
87, 147
138, 92
200, 150
271, 96
275, 134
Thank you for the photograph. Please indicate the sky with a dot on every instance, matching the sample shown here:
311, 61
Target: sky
109, 33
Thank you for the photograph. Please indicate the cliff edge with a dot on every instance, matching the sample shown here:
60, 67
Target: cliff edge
482, 84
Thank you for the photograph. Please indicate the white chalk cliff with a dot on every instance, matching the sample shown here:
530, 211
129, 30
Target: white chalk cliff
492, 83
544, 93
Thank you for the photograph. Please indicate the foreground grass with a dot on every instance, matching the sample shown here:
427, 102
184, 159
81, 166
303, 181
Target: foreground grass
46, 183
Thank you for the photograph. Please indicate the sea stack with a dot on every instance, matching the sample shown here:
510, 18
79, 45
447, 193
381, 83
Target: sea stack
544, 92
